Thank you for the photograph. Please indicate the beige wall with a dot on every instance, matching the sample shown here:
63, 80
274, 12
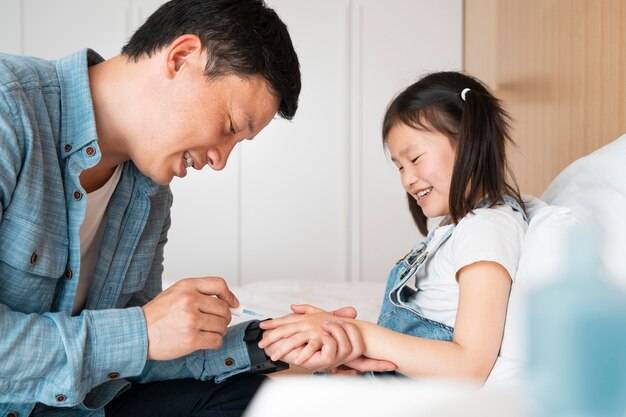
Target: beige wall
559, 66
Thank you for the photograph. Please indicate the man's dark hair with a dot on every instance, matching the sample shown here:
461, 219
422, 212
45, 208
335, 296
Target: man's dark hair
241, 37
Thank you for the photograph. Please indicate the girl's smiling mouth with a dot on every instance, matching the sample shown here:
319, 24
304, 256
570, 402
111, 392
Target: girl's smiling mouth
423, 193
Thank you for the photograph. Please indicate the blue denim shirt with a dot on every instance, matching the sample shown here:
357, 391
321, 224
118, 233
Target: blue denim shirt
47, 137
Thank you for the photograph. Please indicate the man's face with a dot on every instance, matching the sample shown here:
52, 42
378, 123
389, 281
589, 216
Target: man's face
200, 121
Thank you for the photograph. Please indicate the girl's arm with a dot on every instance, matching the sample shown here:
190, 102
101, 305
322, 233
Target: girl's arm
483, 297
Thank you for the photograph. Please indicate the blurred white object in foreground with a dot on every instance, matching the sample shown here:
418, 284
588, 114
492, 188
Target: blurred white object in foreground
366, 397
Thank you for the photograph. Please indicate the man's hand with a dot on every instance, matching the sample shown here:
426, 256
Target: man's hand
363, 364
192, 314
348, 312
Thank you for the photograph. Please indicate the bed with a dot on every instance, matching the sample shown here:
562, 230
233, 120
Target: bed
273, 298
591, 192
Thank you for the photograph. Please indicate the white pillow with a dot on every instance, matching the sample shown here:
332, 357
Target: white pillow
590, 193
594, 187
543, 251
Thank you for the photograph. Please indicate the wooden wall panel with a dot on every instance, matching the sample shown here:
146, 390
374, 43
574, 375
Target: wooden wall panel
560, 69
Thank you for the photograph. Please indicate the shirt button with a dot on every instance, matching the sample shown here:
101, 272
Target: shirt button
78, 195
68, 273
33, 258
60, 398
113, 375
229, 362
90, 151
12, 414
67, 148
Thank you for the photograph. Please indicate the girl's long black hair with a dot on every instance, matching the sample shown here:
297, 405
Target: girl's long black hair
478, 126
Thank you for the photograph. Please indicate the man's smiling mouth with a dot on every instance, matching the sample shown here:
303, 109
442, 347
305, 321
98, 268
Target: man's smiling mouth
188, 159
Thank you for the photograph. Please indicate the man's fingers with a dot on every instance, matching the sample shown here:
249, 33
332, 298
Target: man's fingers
212, 324
364, 364
190, 315
220, 290
214, 286
274, 335
210, 305
284, 346
280, 322
305, 309
348, 312
210, 340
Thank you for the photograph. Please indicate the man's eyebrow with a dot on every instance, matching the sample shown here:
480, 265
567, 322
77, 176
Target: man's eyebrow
250, 125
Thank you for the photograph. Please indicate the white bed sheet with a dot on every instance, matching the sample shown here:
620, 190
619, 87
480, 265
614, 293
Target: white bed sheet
273, 298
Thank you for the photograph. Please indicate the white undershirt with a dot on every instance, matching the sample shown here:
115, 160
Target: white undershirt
91, 236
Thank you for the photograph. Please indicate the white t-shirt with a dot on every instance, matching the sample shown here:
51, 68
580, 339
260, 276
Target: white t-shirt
489, 234
91, 235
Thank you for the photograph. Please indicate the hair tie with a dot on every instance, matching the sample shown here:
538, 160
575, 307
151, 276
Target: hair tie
464, 92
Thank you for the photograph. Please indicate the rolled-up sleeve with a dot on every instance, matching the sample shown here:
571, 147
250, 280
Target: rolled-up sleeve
57, 359
211, 364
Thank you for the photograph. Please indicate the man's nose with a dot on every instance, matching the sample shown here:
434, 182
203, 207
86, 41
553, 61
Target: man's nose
218, 157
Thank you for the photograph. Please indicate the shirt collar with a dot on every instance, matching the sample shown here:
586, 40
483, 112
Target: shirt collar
77, 116
78, 119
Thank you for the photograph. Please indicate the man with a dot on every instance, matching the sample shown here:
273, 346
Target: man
88, 148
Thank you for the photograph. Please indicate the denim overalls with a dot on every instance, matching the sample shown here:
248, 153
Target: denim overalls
397, 312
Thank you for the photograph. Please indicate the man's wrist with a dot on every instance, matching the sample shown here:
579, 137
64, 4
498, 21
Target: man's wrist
259, 361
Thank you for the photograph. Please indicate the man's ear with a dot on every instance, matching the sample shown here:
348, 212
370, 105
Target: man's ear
180, 53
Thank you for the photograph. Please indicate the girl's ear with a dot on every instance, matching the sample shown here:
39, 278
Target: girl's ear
181, 52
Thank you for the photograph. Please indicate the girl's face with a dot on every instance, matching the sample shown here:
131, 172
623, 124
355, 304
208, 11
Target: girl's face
425, 160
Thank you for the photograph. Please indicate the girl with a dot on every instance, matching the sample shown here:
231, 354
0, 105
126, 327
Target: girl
445, 304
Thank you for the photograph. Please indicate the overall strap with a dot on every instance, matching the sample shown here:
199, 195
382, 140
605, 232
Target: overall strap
418, 256
514, 204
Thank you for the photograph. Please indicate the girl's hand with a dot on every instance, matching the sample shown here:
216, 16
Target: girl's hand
346, 345
296, 331
342, 343
314, 345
